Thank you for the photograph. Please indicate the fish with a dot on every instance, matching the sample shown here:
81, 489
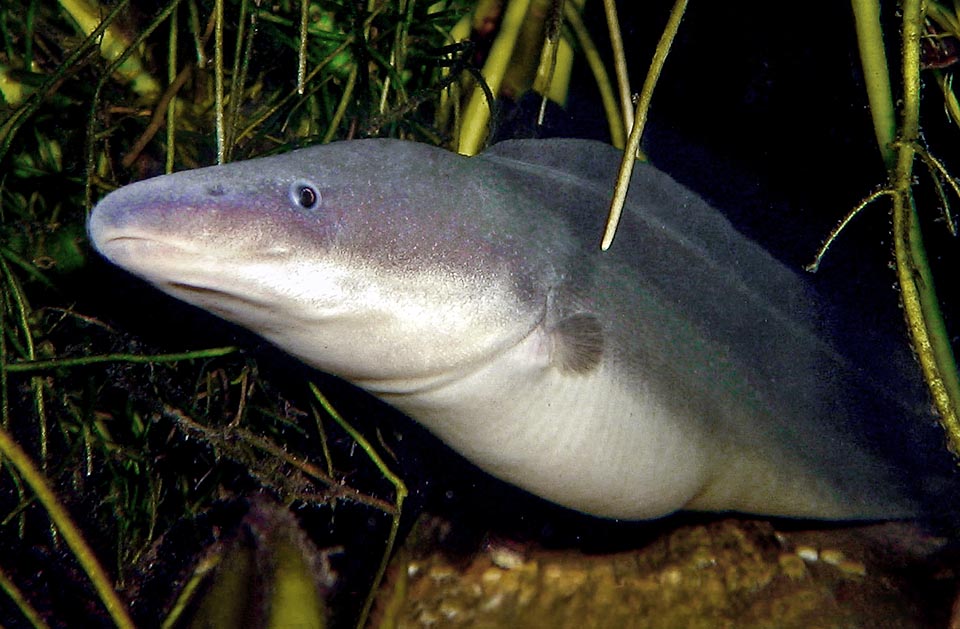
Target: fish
686, 369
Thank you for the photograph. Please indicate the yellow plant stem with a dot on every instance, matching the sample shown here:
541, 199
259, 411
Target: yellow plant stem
476, 118
93, 119
921, 309
171, 105
29, 613
450, 96
595, 62
619, 63
399, 488
196, 579
89, 16
876, 74
640, 120
218, 106
71, 534
61, 363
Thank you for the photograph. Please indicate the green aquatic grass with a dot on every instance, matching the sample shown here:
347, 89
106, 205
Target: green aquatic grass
899, 144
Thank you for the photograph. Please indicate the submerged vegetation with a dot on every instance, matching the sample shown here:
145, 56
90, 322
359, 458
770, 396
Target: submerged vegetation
159, 457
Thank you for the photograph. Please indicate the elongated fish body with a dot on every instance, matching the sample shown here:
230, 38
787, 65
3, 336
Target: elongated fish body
686, 368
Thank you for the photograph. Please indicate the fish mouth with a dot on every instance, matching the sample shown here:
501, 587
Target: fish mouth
136, 252
195, 293
256, 312
180, 271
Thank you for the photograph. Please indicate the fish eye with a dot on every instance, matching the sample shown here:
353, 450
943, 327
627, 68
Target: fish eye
305, 195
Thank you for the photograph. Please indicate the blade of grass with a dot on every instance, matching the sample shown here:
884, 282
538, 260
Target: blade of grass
82, 361
13, 592
921, 308
400, 490
65, 525
640, 120
920, 303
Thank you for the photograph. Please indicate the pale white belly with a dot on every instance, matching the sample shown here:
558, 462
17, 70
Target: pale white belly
598, 444
585, 441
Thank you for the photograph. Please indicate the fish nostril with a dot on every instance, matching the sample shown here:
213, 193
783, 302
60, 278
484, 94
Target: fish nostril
216, 190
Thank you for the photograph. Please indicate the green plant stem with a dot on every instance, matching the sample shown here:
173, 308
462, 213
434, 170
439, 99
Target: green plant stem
618, 130
171, 103
92, 135
640, 120
12, 123
71, 534
920, 304
22, 313
81, 361
876, 75
619, 64
476, 117
218, 80
400, 490
302, 47
29, 613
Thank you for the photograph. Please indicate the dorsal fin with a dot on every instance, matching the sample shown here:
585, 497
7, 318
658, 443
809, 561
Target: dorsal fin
577, 343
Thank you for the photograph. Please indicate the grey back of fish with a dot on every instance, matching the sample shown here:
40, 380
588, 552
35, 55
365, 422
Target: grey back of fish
739, 339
